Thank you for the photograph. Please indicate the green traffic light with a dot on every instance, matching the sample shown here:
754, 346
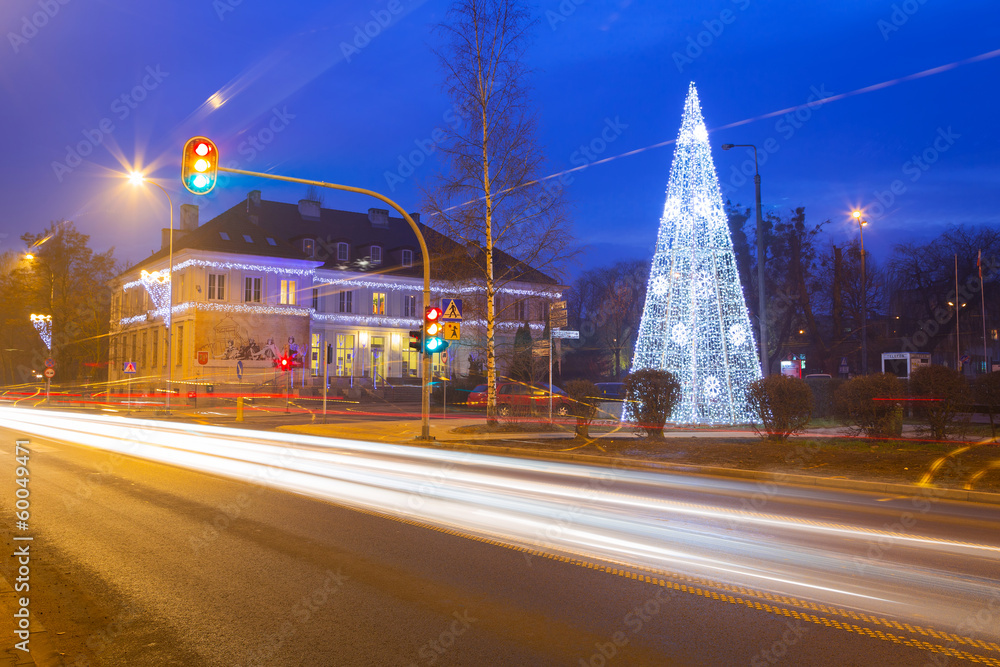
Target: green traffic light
435, 344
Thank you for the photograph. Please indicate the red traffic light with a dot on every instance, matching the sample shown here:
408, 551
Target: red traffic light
283, 362
433, 314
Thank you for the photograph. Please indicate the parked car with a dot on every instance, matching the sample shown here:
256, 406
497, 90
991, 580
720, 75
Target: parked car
515, 397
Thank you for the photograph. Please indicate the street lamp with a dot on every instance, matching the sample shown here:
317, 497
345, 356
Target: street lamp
762, 307
137, 178
864, 295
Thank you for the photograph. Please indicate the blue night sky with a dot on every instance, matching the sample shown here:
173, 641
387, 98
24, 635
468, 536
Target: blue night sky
128, 82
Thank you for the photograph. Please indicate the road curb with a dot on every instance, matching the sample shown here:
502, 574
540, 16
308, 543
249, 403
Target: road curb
758, 475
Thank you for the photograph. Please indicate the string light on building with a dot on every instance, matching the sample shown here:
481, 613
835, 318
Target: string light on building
695, 322
157, 284
43, 325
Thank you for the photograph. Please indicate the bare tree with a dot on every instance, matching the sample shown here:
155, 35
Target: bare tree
488, 195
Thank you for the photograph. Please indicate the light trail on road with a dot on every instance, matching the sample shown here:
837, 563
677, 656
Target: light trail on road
683, 530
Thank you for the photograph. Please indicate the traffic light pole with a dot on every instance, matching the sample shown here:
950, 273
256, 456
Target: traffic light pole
425, 361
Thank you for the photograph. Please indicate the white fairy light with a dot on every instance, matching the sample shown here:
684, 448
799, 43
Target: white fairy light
157, 284
695, 322
43, 325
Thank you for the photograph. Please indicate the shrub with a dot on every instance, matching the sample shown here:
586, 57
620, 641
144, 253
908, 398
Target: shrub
585, 397
944, 392
823, 391
651, 396
783, 405
856, 405
987, 393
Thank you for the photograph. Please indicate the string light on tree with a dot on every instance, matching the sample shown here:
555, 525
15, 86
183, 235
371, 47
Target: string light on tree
695, 322
43, 325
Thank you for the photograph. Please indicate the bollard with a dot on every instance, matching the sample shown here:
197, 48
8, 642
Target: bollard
239, 408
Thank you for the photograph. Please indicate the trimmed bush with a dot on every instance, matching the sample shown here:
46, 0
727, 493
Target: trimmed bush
585, 397
860, 403
944, 393
987, 394
651, 396
783, 405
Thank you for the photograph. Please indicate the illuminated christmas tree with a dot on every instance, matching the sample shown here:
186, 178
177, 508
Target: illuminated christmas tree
695, 322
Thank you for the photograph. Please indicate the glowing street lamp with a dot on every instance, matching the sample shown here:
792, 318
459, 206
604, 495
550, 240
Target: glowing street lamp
137, 178
862, 223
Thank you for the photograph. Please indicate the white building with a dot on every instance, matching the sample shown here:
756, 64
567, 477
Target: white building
268, 278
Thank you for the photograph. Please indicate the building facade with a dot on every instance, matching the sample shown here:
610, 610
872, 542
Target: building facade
267, 279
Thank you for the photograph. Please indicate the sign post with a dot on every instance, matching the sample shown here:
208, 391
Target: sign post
557, 319
49, 374
129, 370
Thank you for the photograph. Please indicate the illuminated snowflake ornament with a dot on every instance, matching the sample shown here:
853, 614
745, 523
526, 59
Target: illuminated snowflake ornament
695, 322
43, 325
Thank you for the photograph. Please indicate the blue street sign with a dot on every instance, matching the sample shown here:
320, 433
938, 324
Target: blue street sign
130, 367
451, 310
239, 370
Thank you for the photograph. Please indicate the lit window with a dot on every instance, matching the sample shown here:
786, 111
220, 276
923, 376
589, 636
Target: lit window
378, 303
409, 306
407, 258
252, 289
343, 254
308, 247
346, 302
288, 292
376, 255
521, 310
225, 236
216, 286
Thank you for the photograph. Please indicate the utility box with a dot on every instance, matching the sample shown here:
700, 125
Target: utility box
902, 364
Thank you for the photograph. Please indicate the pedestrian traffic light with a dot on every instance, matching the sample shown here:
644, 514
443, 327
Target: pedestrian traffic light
329, 354
200, 165
283, 363
416, 340
433, 342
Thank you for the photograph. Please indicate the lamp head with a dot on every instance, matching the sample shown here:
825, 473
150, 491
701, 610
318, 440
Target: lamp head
727, 147
29, 256
136, 177
857, 214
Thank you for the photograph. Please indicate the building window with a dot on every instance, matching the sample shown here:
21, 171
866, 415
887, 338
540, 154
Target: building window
521, 310
314, 354
252, 289
142, 360
409, 306
407, 258
287, 297
308, 247
216, 286
343, 254
411, 362
376, 255
345, 355
132, 358
271, 241
378, 303
315, 298
346, 302
155, 358
224, 236
180, 345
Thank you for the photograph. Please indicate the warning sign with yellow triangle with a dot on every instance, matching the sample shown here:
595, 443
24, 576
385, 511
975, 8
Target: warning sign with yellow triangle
451, 310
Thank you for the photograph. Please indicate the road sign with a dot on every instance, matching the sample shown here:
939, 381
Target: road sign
451, 310
566, 334
239, 370
557, 305
540, 348
50, 373
50, 363
130, 367
452, 331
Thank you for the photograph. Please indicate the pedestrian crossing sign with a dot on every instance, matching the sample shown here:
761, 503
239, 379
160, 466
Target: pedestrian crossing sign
451, 309
130, 367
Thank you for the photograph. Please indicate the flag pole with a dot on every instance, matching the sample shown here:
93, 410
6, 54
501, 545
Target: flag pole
982, 296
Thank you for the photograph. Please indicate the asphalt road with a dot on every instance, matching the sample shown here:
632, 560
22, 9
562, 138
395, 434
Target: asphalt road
136, 562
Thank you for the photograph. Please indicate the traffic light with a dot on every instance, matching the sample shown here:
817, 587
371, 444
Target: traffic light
329, 354
283, 363
200, 165
416, 340
433, 342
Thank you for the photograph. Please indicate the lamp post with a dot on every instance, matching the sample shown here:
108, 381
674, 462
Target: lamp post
138, 178
864, 295
762, 306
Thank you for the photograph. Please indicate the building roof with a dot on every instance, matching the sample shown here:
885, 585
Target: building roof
276, 229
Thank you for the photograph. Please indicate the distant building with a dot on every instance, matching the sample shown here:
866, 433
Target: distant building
268, 278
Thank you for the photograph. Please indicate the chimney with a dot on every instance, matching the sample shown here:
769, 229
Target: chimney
416, 217
253, 206
309, 209
164, 238
189, 217
379, 217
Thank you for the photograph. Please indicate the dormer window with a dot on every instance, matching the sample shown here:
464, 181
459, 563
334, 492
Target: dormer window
407, 258
308, 247
224, 236
376, 254
343, 253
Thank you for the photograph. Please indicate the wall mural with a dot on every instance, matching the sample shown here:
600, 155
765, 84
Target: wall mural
256, 340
